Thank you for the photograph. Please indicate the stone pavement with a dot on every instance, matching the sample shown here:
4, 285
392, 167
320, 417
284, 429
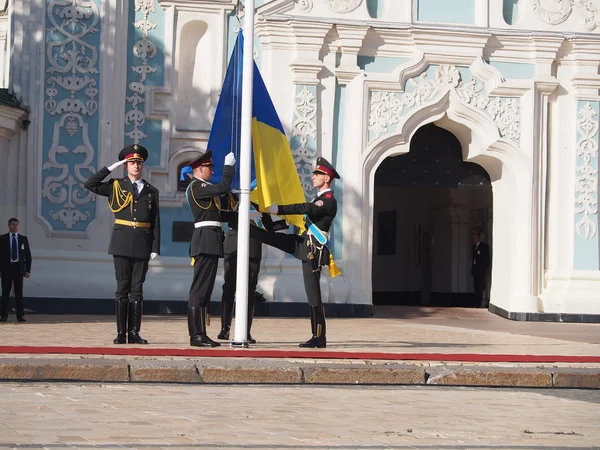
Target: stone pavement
243, 417
448, 346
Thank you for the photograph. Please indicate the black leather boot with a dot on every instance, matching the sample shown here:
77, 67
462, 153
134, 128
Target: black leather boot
251, 340
317, 321
197, 328
135, 323
226, 315
121, 315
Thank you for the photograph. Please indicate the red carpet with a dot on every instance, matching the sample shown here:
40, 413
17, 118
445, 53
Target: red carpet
316, 354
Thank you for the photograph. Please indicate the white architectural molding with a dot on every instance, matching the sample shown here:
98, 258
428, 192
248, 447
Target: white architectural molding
387, 108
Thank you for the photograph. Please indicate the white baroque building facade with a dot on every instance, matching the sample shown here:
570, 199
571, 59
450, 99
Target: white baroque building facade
513, 83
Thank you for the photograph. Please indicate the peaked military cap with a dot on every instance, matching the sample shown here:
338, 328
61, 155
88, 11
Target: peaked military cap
133, 152
324, 166
205, 159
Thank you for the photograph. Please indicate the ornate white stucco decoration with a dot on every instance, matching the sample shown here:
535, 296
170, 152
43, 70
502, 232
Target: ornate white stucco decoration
305, 5
304, 126
586, 188
387, 108
565, 8
342, 6
507, 115
68, 53
144, 49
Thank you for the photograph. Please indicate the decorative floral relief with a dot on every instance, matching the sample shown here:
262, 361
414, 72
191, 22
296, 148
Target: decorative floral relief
564, 11
69, 54
145, 50
304, 127
386, 108
342, 6
507, 115
586, 188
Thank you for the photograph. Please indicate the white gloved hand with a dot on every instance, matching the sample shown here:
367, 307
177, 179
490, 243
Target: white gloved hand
253, 215
230, 159
153, 255
117, 164
273, 209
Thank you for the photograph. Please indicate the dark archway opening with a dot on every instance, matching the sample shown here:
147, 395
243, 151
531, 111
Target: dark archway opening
427, 204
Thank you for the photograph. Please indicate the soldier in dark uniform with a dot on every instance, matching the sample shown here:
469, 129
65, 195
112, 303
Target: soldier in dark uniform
230, 202
206, 246
135, 238
310, 247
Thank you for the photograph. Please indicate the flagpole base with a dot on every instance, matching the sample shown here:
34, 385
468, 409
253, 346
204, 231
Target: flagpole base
242, 344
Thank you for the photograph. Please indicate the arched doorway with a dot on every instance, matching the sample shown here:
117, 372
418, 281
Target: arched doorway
426, 204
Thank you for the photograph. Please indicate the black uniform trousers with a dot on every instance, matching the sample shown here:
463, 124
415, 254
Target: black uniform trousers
130, 274
296, 246
205, 272
230, 280
480, 288
12, 278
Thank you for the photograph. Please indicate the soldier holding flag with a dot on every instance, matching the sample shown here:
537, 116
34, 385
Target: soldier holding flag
312, 246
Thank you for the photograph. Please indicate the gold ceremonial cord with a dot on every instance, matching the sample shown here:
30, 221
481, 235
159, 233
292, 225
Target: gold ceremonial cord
212, 200
121, 197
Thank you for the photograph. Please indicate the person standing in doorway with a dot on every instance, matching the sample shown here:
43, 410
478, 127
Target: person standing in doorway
15, 264
206, 246
135, 238
312, 246
480, 265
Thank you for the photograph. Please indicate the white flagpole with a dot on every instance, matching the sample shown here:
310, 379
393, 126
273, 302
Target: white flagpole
241, 292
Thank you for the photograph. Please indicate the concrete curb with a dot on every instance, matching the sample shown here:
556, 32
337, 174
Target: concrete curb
257, 371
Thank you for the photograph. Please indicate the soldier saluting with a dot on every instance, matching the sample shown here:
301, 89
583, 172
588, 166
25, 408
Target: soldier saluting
135, 238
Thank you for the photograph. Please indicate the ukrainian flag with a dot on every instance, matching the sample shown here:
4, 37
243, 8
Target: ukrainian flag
273, 168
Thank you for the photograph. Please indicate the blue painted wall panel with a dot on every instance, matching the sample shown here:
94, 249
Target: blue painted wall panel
71, 116
446, 11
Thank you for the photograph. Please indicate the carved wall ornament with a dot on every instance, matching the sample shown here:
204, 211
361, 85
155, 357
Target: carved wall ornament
70, 96
304, 127
342, 6
565, 8
586, 187
387, 108
305, 5
145, 50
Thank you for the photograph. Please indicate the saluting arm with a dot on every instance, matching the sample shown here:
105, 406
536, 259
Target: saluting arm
97, 186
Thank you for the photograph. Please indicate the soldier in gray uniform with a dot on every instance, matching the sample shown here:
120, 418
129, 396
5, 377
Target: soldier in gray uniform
135, 238
206, 246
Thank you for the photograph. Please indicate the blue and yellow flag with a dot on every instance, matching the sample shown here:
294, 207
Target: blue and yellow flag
273, 167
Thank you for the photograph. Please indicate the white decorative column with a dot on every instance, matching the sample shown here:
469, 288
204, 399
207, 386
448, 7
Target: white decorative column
573, 275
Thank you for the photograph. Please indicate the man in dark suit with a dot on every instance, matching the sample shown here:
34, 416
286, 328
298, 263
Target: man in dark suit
206, 246
15, 264
230, 203
135, 238
312, 246
480, 265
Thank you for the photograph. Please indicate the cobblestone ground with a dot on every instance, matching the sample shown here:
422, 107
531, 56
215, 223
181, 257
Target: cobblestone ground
56, 416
